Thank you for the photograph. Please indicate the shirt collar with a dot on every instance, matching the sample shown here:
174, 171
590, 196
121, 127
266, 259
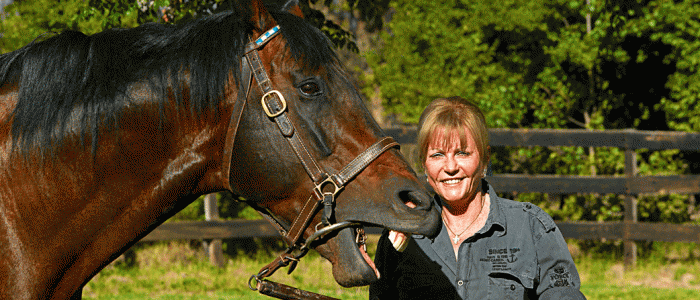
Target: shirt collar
497, 219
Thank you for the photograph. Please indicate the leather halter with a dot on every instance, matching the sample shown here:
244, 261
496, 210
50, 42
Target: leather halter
326, 186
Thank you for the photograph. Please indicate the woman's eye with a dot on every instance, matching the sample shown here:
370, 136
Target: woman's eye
310, 89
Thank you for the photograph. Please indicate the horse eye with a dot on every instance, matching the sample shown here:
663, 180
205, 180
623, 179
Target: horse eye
310, 89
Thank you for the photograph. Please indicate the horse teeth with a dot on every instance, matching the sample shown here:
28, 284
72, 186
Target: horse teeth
399, 240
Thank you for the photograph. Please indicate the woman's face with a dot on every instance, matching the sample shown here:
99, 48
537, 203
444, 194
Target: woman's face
453, 170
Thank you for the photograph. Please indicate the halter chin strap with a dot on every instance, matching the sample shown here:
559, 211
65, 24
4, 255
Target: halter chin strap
326, 186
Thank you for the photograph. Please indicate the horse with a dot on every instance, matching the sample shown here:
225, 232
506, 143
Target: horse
104, 137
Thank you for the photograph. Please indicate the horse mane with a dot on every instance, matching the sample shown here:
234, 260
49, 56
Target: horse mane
72, 84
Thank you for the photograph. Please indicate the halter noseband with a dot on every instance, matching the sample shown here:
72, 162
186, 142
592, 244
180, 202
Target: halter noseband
326, 186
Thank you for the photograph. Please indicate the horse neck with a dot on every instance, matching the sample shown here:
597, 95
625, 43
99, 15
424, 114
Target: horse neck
140, 175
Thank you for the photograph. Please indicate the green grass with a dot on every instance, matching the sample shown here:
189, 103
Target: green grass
604, 291
202, 281
177, 270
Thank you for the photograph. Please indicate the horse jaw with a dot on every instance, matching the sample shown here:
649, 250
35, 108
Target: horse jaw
410, 211
352, 266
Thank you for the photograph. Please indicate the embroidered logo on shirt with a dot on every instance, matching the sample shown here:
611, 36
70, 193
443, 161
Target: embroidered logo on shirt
561, 277
501, 258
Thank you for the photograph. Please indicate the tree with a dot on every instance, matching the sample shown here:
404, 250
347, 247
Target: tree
546, 63
674, 25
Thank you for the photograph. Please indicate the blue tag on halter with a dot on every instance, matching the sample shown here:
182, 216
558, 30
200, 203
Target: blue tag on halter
267, 35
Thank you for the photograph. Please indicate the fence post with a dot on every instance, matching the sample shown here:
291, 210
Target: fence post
211, 213
630, 247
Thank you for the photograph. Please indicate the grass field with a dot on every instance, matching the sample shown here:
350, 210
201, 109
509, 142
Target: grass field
178, 270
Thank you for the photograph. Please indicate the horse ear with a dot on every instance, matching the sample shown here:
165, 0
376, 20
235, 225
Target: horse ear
292, 6
261, 16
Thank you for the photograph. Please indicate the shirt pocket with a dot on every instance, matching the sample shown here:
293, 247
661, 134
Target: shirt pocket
506, 285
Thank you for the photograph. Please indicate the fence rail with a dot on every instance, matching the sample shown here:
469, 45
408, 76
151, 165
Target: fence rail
626, 139
212, 230
629, 185
562, 184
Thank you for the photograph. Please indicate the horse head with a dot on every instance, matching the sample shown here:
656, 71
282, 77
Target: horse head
328, 115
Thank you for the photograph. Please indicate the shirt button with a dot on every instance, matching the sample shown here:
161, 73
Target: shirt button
460, 283
512, 287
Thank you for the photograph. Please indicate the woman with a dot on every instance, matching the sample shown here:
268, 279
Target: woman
489, 247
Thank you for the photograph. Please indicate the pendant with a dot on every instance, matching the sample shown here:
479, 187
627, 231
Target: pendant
455, 239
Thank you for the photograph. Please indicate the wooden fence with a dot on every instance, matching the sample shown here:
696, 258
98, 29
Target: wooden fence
630, 186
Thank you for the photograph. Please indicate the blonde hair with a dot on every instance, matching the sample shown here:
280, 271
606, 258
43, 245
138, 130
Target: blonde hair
453, 115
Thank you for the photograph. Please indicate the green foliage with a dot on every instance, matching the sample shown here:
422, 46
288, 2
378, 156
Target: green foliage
26, 20
541, 64
422, 59
229, 208
676, 24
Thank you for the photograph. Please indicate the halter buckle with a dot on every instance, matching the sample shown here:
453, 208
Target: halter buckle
319, 187
266, 108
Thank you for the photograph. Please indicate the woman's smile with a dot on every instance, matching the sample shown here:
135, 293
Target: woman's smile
451, 181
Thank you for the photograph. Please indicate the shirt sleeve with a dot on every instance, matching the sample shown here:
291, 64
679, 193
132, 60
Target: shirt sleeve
557, 274
386, 260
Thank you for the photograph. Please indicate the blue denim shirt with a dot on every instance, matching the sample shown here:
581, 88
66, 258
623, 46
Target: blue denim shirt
518, 254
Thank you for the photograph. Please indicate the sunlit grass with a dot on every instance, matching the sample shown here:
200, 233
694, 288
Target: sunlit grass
155, 275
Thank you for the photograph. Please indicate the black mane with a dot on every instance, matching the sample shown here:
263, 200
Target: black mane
73, 84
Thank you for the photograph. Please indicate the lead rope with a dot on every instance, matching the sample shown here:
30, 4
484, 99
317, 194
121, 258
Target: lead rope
282, 291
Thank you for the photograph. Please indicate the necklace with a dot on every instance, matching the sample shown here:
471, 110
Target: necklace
455, 239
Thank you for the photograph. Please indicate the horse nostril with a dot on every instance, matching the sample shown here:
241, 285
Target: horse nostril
410, 204
415, 199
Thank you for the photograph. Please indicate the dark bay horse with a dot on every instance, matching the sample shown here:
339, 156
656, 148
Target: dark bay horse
104, 137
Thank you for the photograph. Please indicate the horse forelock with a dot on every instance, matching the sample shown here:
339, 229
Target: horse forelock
306, 43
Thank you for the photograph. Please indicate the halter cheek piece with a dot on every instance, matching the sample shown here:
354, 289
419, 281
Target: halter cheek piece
326, 186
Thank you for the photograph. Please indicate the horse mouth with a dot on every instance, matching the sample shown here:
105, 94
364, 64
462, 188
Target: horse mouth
354, 266
362, 247
399, 241
347, 253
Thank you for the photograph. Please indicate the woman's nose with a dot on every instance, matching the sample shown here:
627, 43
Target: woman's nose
451, 165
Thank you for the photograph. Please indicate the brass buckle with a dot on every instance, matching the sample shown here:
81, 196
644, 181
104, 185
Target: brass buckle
329, 179
267, 109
